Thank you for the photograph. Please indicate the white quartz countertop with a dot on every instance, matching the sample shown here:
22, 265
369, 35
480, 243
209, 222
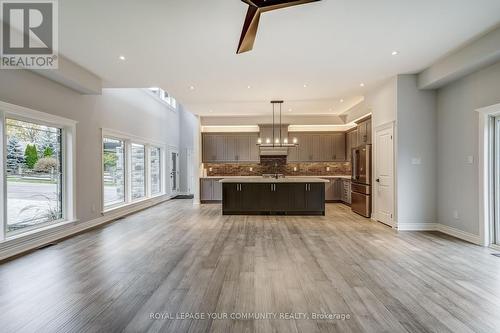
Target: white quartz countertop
273, 180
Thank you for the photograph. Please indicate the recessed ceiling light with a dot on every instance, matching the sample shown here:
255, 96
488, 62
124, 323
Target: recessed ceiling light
122, 58
210, 111
191, 87
341, 100
394, 53
361, 84
305, 85
290, 110
249, 87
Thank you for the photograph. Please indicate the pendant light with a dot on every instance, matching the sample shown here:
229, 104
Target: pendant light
277, 141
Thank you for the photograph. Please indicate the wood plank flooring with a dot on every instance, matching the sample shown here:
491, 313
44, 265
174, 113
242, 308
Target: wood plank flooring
176, 259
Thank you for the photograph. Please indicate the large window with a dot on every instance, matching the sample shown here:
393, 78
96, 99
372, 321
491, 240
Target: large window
132, 169
138, 183
114, 171
155, 167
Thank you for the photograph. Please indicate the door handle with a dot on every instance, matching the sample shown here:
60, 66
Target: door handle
377, 180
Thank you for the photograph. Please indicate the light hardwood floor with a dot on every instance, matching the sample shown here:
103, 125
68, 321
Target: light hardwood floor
176, 258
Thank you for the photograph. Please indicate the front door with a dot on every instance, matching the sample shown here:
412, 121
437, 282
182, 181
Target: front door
174, 171
384, 175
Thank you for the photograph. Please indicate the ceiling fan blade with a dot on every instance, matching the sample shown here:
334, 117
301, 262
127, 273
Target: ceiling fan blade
249, 30
251, 25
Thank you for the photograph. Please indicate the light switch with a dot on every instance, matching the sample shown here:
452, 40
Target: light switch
470, 159
416, 161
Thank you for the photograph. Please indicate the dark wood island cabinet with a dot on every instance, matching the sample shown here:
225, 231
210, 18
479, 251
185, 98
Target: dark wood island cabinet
287, 196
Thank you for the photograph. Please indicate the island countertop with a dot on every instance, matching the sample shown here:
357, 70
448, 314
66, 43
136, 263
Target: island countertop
273, 180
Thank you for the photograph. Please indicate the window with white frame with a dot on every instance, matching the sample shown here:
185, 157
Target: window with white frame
132, 169
113, 171
164, 96
155, 167
138, 171
37, 169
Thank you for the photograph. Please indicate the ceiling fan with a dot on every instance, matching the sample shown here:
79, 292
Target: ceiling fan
255, 8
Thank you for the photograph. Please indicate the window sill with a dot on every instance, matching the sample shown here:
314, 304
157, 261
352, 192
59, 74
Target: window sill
130, 204
38, 231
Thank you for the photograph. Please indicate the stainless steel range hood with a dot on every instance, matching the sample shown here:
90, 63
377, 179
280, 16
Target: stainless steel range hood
273, 151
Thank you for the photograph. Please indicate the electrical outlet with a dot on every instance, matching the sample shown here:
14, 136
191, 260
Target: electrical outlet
455, 215
93, 208
328, 169
470, 159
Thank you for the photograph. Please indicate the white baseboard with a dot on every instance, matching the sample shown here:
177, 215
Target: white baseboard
21, 244
416, 226
466, 236
457, 233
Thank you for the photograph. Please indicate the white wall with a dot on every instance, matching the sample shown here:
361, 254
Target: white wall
189, 125
126, 110
457, 138
413, 113
416, 153
382, 103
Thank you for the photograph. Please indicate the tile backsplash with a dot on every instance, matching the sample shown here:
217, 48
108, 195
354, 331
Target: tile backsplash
271, 165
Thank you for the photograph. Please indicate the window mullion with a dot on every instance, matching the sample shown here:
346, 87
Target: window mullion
128, 171
147, 170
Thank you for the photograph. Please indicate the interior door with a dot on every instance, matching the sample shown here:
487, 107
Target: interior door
174, 172
384, 176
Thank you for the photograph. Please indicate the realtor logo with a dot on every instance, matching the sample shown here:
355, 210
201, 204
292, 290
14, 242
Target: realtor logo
29, 34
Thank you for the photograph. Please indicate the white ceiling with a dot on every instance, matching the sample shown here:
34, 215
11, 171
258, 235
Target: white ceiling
331, 46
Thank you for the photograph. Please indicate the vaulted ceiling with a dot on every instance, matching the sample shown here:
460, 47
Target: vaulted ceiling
312, 56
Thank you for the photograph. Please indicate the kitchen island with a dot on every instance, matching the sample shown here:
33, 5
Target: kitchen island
285, 196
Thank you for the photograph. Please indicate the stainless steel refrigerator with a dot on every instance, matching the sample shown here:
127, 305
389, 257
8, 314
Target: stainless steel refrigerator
361, 182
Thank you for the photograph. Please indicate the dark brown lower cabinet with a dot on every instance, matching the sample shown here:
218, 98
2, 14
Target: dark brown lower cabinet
273, 198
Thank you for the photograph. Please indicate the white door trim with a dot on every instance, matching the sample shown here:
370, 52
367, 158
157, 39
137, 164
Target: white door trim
389, 125
485, 195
